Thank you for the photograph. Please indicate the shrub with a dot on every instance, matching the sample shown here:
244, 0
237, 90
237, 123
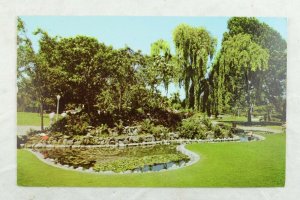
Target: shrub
146, 126
218, 133
159, 132
195, 127
74, 124
119, 127
102, 130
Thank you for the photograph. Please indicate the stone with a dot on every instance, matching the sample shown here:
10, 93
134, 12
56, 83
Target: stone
134, 139
126, 141
121, 144
149, 138
102, 142
79, 168
77, 143
90, 169
65, 141
69, 142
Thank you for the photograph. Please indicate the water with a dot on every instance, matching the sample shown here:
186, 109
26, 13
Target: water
161, 166
247, 138
89, 157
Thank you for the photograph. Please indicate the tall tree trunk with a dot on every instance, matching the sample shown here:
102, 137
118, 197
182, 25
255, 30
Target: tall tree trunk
248, 96
269, 115
249, 114
42, 116
192, 96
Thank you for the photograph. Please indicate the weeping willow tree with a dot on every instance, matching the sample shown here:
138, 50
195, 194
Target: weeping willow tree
240, 64
194, 47
162, 63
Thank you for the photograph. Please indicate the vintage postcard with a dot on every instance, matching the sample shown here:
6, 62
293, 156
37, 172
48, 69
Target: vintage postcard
120, 101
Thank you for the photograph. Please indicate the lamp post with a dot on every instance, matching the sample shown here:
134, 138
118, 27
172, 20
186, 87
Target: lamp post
58, 97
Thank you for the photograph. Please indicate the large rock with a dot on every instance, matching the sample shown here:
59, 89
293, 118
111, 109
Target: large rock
133, 139
149, 138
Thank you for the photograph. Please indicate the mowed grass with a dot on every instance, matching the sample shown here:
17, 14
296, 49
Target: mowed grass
231, 118
252, 164
31, 119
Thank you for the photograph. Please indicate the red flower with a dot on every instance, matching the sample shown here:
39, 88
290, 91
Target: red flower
46, 137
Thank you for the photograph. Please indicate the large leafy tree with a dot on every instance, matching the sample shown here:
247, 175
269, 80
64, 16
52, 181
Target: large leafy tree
194, 46
241, 62
273, 79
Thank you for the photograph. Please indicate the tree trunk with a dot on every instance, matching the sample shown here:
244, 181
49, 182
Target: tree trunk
248, 97
192, 96
42, 116
268, 116
249, 115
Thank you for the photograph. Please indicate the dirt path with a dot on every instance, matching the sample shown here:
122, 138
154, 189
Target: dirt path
257, 128
22, 130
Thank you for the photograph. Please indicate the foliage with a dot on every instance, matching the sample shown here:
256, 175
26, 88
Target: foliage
117, 160
194, 45
244, 60
273, 80
195, 127
215, 169
158, 131
114, 85
73, 124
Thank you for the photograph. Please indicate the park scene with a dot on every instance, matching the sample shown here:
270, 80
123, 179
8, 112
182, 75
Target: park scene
151, 101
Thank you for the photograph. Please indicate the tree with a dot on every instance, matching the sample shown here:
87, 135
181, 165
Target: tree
162, 65
243, 59
194, 46
25, 56
273, 79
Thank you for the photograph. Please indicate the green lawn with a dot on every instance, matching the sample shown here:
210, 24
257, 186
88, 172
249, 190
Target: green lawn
227, 118
31, 119
251, 164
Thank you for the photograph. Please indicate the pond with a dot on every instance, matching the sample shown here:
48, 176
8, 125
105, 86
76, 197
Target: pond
248, 138
133, 159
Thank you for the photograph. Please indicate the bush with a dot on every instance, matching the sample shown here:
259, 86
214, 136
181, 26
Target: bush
119, 127
102, 130
146, 126
195, 127
73, 124
159, 132
218, 133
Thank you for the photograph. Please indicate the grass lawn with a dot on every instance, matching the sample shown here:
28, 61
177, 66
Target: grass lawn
227, 118
251, 164
31, 119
